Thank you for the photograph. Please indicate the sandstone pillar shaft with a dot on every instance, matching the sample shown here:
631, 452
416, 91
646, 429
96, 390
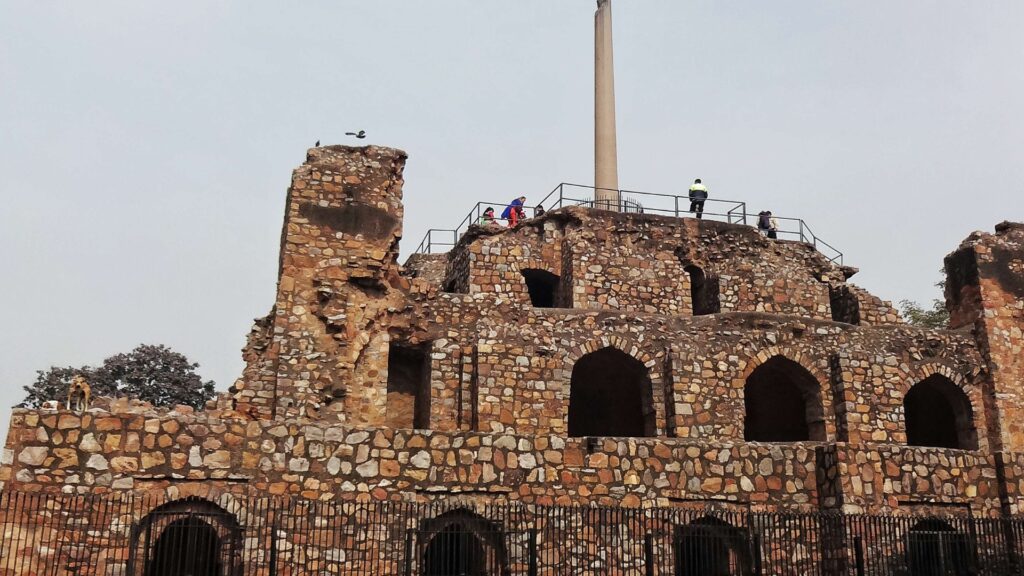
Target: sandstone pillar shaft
606, 163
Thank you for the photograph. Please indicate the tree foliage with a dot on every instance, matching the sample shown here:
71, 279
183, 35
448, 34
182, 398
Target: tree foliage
935, 317
155, 374
917, 315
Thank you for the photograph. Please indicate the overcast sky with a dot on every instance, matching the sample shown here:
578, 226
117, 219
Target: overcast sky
145, 147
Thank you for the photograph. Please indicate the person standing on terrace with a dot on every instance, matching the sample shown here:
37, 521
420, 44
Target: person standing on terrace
698, 194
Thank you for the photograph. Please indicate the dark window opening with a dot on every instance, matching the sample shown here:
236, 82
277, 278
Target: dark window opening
543, 287
783, 404
186, 546
938, 414
460, 543
408, 402
845, 305
934, 548
710, 547
190, 536
610, 395
704, 291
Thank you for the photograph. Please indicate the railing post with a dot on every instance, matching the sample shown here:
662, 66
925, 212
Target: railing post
858, 551
408, 553
942, 553
744, 204
648, 555
273, 548
676, 198
533, 552
756, 546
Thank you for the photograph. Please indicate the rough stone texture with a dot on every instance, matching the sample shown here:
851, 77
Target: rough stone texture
314, 414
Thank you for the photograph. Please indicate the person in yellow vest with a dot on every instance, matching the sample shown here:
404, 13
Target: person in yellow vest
698, 194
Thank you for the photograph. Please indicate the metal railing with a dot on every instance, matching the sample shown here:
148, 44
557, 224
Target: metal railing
632, 201
126, 535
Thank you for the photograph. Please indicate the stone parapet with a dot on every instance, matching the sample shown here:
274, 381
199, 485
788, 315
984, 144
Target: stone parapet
142, 451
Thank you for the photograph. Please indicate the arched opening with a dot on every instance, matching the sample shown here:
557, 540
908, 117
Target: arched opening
610, 395
783, 403
938, 414
542, 286
187, 546
460, 543
704, 291
191, 536
710, 547
934, 548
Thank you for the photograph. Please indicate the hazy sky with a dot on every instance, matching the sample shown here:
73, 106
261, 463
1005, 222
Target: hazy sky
145, 147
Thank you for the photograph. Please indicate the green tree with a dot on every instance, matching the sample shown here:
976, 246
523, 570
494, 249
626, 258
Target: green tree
917, 315
935, 317
155, 374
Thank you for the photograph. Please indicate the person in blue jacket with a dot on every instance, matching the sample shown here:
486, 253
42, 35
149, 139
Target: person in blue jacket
514, 212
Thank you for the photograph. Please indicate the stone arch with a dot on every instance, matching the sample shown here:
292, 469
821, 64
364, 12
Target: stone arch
652, 412
935, 548
461, 541
939, 410
712, 547
519, 285
542, 287
785, 399
191, 535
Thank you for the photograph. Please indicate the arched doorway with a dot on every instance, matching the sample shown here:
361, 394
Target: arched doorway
782, 402
938, 413
187, 546
542, 286
710, 547
610, 395
191, 537
460, 543
934, 548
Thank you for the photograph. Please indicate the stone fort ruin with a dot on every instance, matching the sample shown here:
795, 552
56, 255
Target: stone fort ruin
592, 392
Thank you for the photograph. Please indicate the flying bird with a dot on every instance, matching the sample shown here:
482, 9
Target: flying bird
317, 145
361, 134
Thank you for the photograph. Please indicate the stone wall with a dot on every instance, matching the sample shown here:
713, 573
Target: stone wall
338, 278
441, 380
985, 290
635, 263
142, 450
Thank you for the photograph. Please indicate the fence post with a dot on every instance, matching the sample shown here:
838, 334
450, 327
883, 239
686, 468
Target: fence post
676, 198
858, 551
942, 553
756, 545
408, 553
649, 554
533, 552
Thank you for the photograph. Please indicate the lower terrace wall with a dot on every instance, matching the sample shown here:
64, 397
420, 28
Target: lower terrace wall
141, 450
108, 536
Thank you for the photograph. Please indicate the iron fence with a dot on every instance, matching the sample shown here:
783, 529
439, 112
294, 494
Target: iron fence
631, 201
94, 535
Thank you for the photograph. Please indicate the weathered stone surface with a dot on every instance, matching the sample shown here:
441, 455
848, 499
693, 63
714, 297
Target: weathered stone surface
482, 403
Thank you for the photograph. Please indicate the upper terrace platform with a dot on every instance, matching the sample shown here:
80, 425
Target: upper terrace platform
630, 201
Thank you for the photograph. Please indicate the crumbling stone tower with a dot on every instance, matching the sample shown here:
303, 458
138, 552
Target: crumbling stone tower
586, 357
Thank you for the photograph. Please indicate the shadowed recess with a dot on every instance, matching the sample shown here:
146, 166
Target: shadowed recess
610, 395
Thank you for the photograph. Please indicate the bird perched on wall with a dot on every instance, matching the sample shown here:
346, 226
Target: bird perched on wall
361, 134
317, 145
